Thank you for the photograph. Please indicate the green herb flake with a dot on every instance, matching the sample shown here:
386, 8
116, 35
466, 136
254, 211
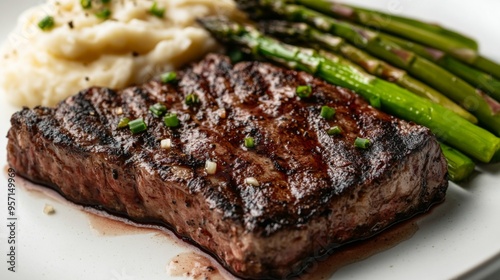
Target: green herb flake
138, 126
336, 130
86, 4
157, 11
249, 142
304, 91
47, 23
103, 14
168, 77
327, 112
192, 99
123, 123
171, 120
362, 143
158, 109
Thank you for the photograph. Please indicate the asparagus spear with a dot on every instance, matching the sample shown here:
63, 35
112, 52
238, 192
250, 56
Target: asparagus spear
458, 46
475, 77
460, 167
448, 126
423, 33
487, 65
455, 88
434, 28
304, 33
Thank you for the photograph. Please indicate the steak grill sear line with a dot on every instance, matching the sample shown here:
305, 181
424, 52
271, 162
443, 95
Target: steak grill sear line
263, 210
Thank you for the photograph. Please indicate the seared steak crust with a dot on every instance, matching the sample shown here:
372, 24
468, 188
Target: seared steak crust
315, 191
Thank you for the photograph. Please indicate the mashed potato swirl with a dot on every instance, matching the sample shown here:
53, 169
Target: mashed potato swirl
83, 50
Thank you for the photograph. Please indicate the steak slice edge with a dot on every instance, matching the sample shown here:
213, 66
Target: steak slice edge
314, 191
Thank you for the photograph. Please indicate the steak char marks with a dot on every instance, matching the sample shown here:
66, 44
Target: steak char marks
314, 191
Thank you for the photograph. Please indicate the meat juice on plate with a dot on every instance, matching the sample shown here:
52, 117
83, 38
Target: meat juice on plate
198, 266
195, 266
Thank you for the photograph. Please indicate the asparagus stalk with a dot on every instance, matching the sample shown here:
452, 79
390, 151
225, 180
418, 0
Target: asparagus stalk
424, 33
434, 28
487, 65
460, 167
301, 32
475, 77
458, 46
455, 88
448, 126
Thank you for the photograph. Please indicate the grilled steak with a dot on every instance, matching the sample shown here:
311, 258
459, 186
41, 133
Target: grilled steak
312, 191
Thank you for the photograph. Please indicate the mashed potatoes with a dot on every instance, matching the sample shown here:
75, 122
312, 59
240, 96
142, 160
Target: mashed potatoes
133, 45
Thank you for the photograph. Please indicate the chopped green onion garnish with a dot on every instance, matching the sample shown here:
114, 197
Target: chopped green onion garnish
103, 14
361, 143
192, 99
327, 112
171, 120
123, 123
157, 11
137, 126
105, 1
249, 142
158, 109
336, 130
86, 4
304, 91
375, 102
47, 23
168, 77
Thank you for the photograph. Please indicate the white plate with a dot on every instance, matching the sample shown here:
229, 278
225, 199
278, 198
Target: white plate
458, 239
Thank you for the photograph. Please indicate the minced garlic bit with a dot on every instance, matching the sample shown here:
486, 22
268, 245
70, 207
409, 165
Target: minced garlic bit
166, 143
210, 167
119, 111
252, 181
49, 210
222, 113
